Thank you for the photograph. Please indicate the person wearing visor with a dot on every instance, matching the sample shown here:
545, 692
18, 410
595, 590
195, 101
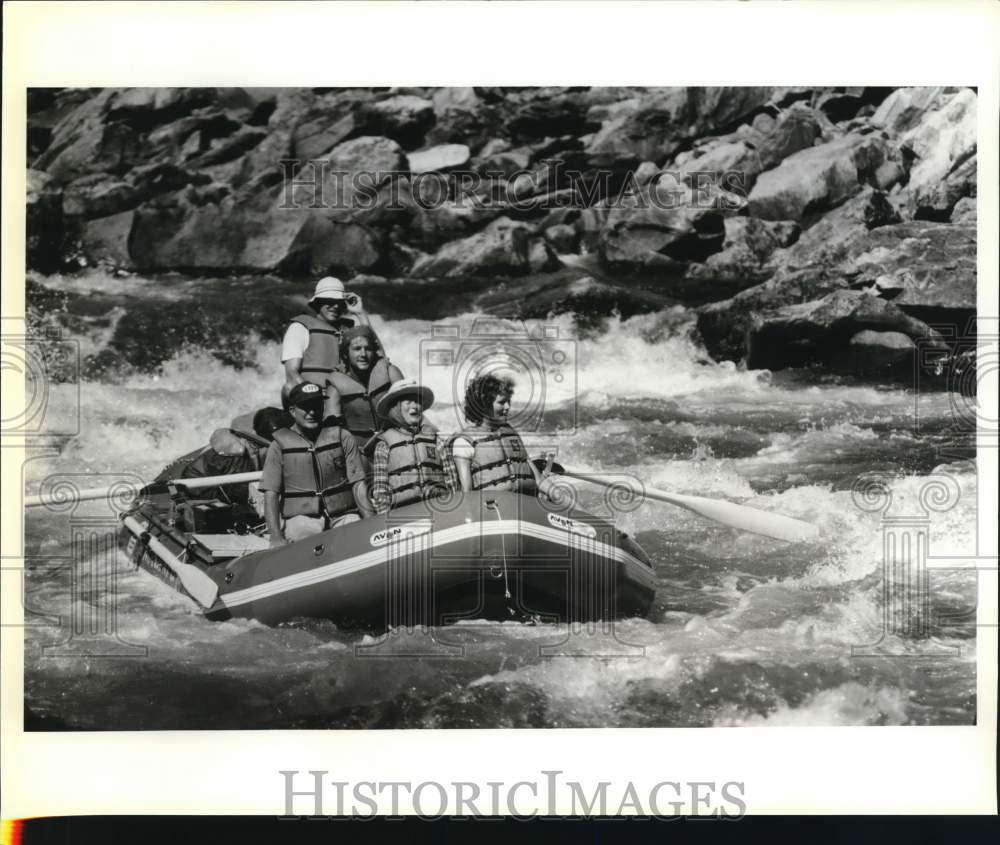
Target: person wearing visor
313, 477
310, 350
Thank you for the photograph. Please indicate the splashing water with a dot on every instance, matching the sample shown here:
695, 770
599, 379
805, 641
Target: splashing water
743, 631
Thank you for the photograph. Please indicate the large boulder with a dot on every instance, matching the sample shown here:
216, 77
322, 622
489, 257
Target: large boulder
927, 268
500, 248
99, 195
746, 251
43, 222
105, 241
818, 178
665, 220
936, 200
660, 122
944, 138
404, 118
818, 332
257, 235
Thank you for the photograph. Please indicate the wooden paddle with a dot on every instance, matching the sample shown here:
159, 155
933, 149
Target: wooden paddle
741, 517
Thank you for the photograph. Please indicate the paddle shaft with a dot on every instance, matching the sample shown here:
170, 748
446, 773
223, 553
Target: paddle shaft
742, 517
189, 483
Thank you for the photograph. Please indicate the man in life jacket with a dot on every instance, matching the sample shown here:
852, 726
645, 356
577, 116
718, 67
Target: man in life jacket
313, 478
310, 350
489, 454
408, 463
367, 375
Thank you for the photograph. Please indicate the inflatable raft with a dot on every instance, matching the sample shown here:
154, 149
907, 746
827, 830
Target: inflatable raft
488, 555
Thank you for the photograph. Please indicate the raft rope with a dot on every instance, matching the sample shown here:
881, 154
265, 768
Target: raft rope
503, 551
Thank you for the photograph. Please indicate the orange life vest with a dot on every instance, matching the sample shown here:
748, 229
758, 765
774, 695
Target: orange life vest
415, 470
314, 474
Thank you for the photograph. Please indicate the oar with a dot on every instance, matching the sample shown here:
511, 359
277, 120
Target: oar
741, 517
102, 492
197, 583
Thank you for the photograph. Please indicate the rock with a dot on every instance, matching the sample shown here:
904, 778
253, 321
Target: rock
85, 142
98, 195
662, 121
839, 234
404, 118
817, 179
870, 350
440, 158
551, 116
151, 179
357, 181
936, 201
944, 138
105, 240
43, 222
748, 246
261, 167
446, 221
541, 257
563, 237
933, 266
323, 127
664, 220
815, 332
964, 211
564, 292
144, 108
502, 247
905, 108
226, 149
505, 164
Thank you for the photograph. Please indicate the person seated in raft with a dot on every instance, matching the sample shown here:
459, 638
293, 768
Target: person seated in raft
313, 477
237, 449
489, 454
367, 375
310, 350
408, 461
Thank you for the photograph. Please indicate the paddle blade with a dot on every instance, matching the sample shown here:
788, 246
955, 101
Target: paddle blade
741, 517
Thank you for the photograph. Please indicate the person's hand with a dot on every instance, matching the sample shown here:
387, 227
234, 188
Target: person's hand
547, 487
354, 303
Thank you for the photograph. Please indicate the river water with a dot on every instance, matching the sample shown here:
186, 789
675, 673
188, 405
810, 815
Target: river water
743, 631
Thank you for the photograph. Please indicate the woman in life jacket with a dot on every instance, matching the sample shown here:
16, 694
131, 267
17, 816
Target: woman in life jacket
310, 349
408, 462
367, 375
489, 454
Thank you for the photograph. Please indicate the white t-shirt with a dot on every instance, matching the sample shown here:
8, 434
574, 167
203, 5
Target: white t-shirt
462, 447
295, 342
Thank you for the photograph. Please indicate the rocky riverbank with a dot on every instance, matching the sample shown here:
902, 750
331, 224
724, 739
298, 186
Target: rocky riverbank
831, 227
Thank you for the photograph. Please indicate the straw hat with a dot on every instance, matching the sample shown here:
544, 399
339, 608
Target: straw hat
400, 389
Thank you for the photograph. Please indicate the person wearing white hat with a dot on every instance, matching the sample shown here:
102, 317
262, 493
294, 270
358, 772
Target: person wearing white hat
408, 463
310, 350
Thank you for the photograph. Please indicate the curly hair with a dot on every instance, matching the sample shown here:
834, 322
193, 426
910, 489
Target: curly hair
480, 394
358, 331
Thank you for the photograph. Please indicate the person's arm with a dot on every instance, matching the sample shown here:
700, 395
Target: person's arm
293, 347
271, 484
461, 453
355, 469
356, 308
381, 492
272, 516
